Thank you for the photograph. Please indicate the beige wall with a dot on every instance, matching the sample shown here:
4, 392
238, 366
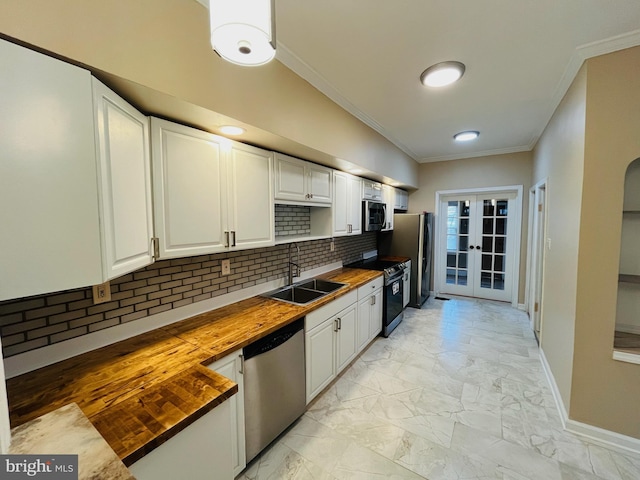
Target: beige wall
490, 171
605, 392
159, 51
558, 158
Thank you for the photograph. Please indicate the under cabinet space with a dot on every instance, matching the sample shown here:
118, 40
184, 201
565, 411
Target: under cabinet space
295, 223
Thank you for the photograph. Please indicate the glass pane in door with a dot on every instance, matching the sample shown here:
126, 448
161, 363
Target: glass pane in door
494, 243
457, 241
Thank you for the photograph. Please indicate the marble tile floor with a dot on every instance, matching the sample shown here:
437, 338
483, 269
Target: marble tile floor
456, 392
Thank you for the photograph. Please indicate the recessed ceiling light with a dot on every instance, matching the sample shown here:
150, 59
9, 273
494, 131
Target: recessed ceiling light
466, 136
442, 74
231, 130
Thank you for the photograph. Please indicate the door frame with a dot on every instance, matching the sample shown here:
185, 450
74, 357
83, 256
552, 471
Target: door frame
438, 260
536, 253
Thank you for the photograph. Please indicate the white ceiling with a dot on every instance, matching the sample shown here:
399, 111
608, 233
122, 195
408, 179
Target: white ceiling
521, 56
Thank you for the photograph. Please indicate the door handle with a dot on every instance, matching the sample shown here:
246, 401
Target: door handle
335, 325
373, 300
471, 247
478, 247
241, 372
226, 241
233, 234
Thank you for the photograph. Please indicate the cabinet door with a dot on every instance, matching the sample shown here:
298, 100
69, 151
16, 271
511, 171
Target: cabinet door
290, 179
320, 358
346, 344
250, 197
364, 322
340, 203
375, 327
124, 180
201, 451
389, 200
49, 226
188, 190
354, 205
230, 367
319, 177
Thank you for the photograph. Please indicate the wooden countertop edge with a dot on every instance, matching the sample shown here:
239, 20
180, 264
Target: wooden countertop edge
132, 408
211, 389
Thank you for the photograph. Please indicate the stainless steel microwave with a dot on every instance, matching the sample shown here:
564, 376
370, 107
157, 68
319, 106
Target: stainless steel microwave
374, 216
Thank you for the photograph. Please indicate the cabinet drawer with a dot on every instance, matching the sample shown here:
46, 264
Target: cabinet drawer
318, 316
370, 287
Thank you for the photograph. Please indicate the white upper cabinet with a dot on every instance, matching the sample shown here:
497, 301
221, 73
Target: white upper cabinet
302, 183
124, 182
74, 179
401, 201
50, 232
388, 197
347, 204
210, 194
251, 217
371, 190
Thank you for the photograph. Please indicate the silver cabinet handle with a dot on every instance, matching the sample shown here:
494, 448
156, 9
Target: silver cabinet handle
233, 234
241, 372
226, 241
373, 300
335, 325
339, 323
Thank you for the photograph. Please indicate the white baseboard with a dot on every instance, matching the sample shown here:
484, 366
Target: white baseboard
522, 306
562, 411
628, 328
599, 436
41, 357
604, 438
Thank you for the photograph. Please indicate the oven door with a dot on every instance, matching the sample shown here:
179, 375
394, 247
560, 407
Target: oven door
393, 310
374, 215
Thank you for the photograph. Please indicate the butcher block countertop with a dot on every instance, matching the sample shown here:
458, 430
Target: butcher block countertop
140, 392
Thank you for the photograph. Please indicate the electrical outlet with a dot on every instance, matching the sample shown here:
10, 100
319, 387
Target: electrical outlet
101, 293
333, 246
226, 267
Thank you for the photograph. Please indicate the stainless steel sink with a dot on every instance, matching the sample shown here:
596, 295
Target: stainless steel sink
321, 285
305, 292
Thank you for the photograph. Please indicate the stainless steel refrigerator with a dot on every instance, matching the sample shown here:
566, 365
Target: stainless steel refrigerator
412, 237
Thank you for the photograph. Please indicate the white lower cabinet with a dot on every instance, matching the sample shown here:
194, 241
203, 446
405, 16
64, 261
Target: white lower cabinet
406, 284
369, 312
330, 342
231, 367
202, 451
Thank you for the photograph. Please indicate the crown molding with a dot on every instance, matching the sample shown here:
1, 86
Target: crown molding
483, 153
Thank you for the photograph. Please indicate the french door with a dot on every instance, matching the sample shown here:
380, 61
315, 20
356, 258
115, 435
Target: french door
477, 245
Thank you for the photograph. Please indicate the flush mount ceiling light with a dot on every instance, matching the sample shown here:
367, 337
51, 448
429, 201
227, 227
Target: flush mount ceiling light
442, 74
466, 136
231, 130
243, 31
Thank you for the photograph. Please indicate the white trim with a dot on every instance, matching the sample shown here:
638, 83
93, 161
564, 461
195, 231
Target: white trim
562, 411
628, 328
626, 357
482, 153
605, 438
41, 357
437, 261
600, 436
522, 306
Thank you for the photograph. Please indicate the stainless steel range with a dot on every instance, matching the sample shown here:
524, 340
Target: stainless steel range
393, 271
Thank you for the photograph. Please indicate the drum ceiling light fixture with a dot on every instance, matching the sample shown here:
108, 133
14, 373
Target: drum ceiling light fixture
243, 31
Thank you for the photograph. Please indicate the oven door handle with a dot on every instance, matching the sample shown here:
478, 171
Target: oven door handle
397, 276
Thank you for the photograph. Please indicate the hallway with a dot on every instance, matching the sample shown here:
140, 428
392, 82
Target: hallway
457, 392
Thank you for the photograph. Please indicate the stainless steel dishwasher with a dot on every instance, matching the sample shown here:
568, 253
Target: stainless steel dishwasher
274, 385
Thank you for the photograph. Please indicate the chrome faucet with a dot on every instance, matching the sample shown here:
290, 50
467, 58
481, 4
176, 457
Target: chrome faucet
292, 264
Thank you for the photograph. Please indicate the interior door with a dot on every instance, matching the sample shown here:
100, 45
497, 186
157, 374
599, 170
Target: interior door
478, 245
